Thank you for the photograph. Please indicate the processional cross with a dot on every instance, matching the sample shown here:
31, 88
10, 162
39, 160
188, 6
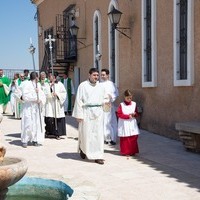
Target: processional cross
50, 40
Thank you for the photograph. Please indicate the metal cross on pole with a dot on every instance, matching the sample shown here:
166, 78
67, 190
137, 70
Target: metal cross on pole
50, 40
32, 51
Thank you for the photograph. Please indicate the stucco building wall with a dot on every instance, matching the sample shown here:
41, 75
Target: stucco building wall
163, 105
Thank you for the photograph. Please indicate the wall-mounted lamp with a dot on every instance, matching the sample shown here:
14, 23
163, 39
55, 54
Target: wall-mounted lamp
40, 30
74, 32
98, 54
115, 16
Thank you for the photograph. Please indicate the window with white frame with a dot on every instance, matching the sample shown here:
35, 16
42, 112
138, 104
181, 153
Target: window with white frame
113, 41
97, 39
149, 55
183, 42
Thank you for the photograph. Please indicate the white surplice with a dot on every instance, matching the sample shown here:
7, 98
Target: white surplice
88, 107
32, 123
128, 127
110, 119
55, 106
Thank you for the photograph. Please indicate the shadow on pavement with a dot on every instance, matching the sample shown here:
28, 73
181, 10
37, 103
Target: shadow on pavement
114, 152
169, 157
181, 176
15, 135
16, 142
71, 121
73, 156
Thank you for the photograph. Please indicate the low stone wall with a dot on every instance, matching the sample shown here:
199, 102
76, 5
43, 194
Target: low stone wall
189, 133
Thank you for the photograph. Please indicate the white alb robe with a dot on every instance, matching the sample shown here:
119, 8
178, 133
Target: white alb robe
55, 106
88, 107
17, 95
13, 102
32, 123
110, 119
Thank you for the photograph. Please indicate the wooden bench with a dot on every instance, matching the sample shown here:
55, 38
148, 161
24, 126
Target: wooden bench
189, 133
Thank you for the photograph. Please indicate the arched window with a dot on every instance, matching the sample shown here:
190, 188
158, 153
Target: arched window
113, 47
97, 39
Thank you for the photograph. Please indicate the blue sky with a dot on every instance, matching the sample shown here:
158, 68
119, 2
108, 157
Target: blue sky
17, 26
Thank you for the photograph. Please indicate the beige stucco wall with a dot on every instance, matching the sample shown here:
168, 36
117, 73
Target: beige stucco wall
163, 105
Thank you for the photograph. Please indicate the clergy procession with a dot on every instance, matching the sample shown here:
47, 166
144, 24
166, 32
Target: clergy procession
41, 101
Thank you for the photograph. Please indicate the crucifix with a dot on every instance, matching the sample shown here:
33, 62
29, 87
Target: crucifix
50, 40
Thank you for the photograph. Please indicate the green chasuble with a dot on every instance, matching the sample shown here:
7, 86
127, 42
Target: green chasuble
69, 92
4, 94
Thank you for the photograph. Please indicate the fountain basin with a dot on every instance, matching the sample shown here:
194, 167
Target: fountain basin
29, 188
11, 171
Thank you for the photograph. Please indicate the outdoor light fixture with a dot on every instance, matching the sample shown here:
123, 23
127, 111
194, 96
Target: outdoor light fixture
74, 32
115, 16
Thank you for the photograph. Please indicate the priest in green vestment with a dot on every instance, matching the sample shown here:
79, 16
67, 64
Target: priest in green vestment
4, 91
69, 86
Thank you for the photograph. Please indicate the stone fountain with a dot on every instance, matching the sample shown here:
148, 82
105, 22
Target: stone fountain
11, 171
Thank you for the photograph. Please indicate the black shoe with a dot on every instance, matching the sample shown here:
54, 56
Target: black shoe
106, 142
58, 137
36, 144
99, 161
83, 156
113, 143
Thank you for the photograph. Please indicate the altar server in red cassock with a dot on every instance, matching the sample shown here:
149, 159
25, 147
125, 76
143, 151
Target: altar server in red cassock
128, 130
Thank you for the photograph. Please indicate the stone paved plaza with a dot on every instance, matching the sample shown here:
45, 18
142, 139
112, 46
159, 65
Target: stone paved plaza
162, 171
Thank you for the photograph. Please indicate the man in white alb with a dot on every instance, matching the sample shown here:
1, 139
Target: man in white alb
88, 111
32, 124
110, 119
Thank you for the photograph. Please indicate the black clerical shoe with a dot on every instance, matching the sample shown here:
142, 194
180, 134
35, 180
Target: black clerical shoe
99, 161
36, 144
112, 143
83, 156
58, 137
